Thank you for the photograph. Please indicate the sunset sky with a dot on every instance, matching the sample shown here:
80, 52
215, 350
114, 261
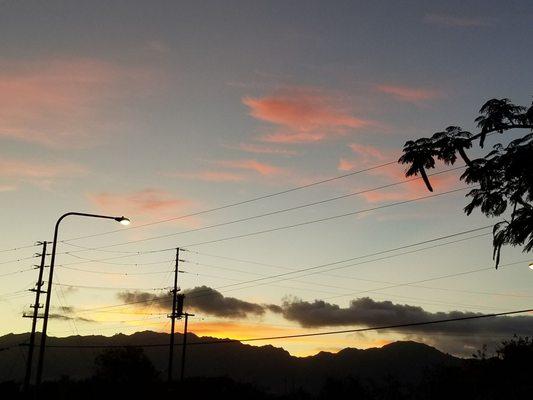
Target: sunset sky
158, 110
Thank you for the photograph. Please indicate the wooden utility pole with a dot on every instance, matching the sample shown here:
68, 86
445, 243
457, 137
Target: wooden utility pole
184, 346
173, 316
34, 316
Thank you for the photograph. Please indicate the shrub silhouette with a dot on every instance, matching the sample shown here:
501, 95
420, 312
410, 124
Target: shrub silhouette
127, 365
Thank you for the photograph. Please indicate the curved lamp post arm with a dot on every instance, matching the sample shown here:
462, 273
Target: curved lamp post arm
123, 220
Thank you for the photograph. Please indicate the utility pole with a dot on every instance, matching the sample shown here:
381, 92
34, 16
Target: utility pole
184, 346
35, 315
175, 314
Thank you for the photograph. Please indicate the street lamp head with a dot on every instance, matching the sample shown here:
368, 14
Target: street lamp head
123, 220
531, 265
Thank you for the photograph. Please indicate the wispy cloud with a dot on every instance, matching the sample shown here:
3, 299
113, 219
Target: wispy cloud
262, 149
38, 173
10, 168
147, 204
261, 168
458, 21
233, 171
303, 115
209, 176
408, 94
7, 188
62, 103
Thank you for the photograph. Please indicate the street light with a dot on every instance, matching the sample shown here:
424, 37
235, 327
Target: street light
123, 220
531, 265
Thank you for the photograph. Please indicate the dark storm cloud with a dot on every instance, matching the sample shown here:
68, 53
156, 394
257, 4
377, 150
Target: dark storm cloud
368, 312
141, 299
202, 299
211, 301
460, 338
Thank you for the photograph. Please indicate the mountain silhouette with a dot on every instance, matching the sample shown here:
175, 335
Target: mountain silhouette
266, 366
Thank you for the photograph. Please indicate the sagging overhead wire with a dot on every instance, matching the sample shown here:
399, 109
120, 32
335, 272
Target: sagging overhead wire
310, 334
275, 212
251, 200
217, 288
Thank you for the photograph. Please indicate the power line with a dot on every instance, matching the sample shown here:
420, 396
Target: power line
363, 256
271, 213
251, 200
308, 268
207, 292
271, 229
425, 280
108, 287
17, 272
111, 273
17, 260
322, 273
295, 271
300, 335
123, 264
324, 219
18, 248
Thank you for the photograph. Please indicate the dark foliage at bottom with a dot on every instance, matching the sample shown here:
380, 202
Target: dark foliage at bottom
128, 373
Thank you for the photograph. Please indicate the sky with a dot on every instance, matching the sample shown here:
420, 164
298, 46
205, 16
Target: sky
169, 111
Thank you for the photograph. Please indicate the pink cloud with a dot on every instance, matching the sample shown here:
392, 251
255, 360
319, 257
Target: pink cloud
261, 168
303, 115
233, 171
409, 94
209, 176
19, 169
365, 156
147, 204
346, 165
7, 188
61, 103
41, 174
261, 149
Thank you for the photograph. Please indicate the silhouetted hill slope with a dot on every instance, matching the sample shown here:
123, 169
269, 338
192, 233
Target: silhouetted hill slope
266, 366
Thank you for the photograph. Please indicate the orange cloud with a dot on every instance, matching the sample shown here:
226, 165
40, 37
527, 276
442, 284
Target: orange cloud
261, 168
147, 204
209, 176
408, 94
303, 115
61, 103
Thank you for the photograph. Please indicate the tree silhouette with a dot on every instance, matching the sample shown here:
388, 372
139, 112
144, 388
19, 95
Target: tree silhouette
127, 365
421, 155
502, 179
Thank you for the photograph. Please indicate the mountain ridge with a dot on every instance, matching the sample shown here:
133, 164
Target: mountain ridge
267, 366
